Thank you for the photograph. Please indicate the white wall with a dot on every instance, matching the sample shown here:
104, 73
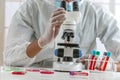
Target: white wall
1, 29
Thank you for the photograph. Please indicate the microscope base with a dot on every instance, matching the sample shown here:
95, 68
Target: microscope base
67, 66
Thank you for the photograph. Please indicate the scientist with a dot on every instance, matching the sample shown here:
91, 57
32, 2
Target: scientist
37, 23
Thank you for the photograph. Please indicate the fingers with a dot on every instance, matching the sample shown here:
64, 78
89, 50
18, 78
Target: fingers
59, 11
58, 17
84, 61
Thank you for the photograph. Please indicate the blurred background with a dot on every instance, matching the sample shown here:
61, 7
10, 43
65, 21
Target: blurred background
8, 8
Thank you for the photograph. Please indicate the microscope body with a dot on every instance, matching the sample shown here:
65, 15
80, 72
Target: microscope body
68, 51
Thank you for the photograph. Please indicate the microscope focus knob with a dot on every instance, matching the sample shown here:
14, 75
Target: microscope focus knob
77, 53
59, 52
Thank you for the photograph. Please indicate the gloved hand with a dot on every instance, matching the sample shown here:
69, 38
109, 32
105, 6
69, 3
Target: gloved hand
55, 23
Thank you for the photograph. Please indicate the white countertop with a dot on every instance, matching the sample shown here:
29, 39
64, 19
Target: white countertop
60, 76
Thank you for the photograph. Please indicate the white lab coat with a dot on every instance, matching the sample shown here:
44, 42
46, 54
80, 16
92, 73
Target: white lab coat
30, 22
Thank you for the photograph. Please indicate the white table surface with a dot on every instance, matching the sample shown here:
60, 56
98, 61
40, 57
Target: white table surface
60, 76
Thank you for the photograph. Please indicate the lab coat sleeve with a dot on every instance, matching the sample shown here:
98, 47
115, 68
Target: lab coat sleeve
19, 36
108, 30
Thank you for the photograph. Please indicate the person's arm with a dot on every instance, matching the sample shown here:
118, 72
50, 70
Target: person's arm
33, 49
20, 50
19, 36
118, 66
53, 29
109, 33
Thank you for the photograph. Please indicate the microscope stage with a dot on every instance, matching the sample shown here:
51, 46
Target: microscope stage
69, 45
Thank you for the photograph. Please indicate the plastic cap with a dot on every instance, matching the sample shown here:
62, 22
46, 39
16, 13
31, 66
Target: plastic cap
105, 53
93, 52
109, 54
98, 53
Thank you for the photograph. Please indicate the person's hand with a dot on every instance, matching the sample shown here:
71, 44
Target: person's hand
84, 61
55, 23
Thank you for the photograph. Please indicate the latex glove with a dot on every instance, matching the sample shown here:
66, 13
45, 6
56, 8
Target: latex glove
55, 23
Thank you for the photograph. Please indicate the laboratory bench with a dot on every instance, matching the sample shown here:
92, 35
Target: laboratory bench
11, 73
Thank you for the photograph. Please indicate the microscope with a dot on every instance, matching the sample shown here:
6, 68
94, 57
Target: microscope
68, 51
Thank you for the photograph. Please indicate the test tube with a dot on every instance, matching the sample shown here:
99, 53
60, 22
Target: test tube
103, 67
96, 57
92, 60
101, 62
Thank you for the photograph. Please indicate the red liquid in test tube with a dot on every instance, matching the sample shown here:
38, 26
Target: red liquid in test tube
106, 61
102, 61
91, 67
96, 57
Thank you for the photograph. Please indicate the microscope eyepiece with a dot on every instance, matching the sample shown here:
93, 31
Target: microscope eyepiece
63, 4
75, 6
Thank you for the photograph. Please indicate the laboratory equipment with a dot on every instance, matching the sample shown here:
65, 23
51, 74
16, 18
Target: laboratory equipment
93, 60
68, 51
